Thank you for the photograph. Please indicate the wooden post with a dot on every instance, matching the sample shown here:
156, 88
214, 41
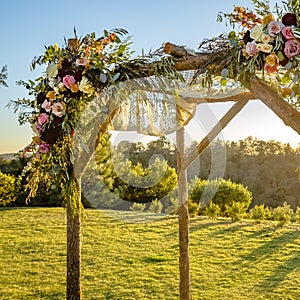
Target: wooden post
73, 291
183, 221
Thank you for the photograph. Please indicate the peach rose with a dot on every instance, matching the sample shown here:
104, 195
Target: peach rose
59, 109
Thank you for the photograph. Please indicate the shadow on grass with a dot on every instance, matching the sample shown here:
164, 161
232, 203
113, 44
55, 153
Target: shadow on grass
271, 246
280, 274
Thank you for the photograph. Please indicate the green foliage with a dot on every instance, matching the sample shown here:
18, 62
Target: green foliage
212, 210
8, 189
260, 213
283, 214
138, 207
155, 207
236, 211
3, 76
221, 192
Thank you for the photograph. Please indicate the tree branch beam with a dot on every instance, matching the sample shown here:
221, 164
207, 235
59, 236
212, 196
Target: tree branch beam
232, 112
287, 113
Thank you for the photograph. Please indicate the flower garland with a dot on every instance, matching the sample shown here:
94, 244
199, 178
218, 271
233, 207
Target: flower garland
269, 42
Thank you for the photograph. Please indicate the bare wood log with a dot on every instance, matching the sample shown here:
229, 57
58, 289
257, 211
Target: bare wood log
183, 221
232, 112
288, 114
174, 50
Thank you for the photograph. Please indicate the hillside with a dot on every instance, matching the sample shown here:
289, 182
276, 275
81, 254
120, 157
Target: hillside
122, 260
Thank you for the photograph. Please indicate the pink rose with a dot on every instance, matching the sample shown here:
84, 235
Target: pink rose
251, 48
44, 148
291, 48
69, 80
42, 119
275, 27
287, 33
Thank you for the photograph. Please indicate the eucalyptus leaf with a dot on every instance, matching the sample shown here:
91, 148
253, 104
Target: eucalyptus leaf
289, 65
224, 72
116, 76
103, 78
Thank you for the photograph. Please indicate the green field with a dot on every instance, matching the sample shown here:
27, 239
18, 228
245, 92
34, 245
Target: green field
122, 260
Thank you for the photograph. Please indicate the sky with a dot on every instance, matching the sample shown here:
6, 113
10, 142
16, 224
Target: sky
27, 26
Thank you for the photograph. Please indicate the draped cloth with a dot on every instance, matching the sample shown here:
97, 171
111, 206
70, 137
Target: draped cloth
156, 106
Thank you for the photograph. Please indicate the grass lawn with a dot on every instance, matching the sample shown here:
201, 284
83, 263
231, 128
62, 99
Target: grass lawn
122, 260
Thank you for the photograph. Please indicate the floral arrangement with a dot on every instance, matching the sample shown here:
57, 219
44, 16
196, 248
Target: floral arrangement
268, 42
73, 76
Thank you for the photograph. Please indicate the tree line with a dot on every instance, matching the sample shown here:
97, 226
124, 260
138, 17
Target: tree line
142, 173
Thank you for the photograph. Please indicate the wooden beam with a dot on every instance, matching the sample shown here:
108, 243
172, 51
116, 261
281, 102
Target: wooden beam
232, 112
287, 113
183, 221
235, 98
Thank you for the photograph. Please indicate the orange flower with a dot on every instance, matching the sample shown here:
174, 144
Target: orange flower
74, 88
286, 92
51, 95
272, 59
267, 19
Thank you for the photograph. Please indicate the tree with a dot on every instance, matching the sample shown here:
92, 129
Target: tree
144, 185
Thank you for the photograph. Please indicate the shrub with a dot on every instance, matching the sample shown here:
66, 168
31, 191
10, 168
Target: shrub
260, 213
236, 211
212, 210
193, 209
221, 192
283, 214
155, 207
138, 207
8, 189
297, 215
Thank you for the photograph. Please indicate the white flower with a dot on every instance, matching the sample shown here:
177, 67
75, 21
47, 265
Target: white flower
266, 48
86, 87
61, 86
52, 70
47, 105
52, 83
59, 109
256, 32
265, 38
